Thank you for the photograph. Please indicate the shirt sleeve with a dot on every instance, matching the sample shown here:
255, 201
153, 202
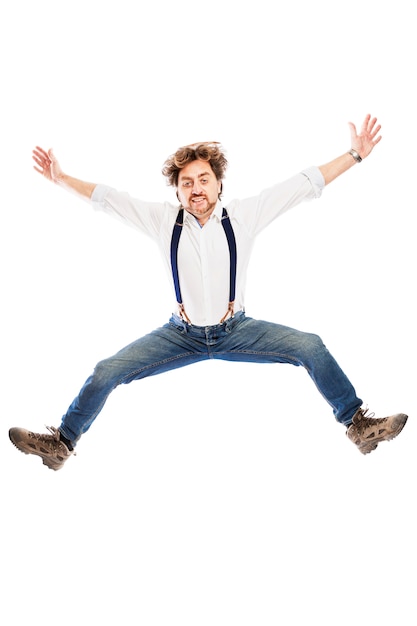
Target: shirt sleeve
259, 211
144, 216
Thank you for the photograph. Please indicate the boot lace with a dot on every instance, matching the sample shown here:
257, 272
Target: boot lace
54, 432
368, 418
56, 435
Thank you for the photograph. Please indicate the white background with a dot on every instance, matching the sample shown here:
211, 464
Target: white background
221, 494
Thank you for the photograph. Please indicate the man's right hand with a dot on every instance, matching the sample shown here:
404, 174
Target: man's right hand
47, 164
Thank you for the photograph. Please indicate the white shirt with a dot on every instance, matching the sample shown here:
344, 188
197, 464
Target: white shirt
203, 252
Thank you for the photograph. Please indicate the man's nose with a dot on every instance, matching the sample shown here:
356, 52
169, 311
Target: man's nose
196, 188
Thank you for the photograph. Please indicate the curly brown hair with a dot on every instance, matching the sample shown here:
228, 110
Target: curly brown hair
211, 152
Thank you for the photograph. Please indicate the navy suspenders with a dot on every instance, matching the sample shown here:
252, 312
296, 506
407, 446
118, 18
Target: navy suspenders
231, 241
176, 234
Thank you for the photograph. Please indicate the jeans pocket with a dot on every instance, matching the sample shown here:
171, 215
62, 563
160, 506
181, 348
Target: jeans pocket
178, 324
231, 323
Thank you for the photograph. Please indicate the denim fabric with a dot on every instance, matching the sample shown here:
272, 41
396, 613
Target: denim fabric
240, 338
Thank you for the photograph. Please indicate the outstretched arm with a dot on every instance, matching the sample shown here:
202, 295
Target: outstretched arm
48, 166
362, 144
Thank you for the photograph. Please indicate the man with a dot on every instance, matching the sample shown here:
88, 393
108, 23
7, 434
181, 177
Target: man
206, 249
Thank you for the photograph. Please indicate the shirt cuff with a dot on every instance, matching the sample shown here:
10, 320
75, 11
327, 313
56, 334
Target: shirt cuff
316, 179
99, 193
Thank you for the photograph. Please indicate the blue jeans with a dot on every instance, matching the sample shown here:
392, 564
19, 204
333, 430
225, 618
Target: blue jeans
239, 338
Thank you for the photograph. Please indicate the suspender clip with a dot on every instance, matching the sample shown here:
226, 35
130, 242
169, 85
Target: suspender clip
229, 313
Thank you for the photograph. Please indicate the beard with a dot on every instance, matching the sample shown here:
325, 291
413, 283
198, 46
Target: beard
198, 212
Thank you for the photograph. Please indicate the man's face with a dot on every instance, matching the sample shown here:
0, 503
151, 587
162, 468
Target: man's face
198, 189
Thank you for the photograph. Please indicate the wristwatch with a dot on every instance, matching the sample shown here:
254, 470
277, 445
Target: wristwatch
355, 155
